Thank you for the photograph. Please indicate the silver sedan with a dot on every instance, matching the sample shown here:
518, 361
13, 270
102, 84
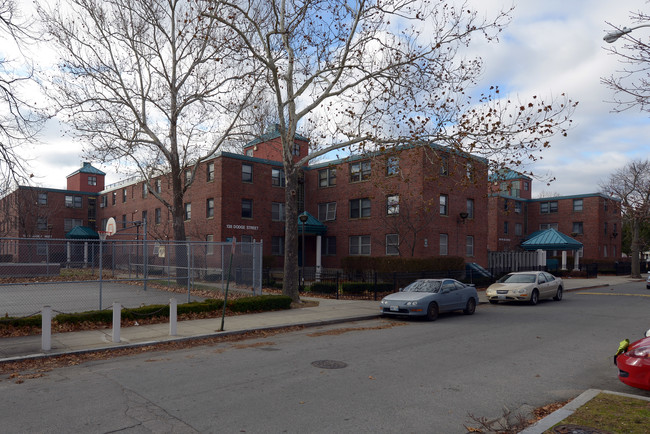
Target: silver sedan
429, 297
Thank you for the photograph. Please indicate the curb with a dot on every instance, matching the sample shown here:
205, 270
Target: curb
117, 347
559, 415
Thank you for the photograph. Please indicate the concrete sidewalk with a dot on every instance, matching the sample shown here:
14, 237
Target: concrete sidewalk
327, 312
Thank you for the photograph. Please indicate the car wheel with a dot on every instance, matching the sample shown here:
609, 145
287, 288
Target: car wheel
558, 294
494, 301
534, 297
432, 312
471, 306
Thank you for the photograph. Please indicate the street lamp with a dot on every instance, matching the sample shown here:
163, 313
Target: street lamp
614, 35
303, 218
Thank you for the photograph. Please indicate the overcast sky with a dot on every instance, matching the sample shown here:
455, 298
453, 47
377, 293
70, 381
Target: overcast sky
550, 47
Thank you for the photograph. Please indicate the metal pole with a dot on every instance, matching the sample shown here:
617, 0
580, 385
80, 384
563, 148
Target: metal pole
145, 255
101, 242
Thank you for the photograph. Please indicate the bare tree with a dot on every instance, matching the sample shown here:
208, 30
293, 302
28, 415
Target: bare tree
631, 84
20, 119
631, 185
145, 90
381, 73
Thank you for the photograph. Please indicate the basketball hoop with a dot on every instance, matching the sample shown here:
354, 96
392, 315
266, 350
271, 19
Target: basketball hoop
102, 235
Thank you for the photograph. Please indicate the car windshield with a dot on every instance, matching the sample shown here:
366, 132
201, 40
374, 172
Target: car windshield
423, 286
518, 278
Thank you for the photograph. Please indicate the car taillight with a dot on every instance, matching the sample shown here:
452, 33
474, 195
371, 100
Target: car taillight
639, 352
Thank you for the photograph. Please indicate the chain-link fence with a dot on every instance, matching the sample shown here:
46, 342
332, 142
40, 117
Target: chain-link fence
82, 274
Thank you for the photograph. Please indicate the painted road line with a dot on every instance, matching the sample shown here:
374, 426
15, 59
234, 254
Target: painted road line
612, 293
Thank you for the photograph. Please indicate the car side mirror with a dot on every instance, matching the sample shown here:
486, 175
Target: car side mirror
647, 333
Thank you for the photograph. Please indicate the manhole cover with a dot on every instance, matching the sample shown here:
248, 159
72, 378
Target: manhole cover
578, 429
329, 364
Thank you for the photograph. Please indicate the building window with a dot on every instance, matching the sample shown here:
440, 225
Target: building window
505, 227
123, 221
209, 244
188, 176
359, 245
444, 166
296, 149
42, 198
144, 216
209, 208
247, 208
114, 198
188, 211
277, 246
157, 215
359, 208
392, 205
92, 180
469, 171
124, 194
277, 211
158, 186
515, 190
526, 187
548, 207
145, 190
103, 201
506, 204
277, 178
73, 201
327, 177
544, 226
41, 248
577, 205
392, 244
359, 171
392, 166
444, 204
444, 243
518, 229
246, 244
605, 228
210, 172
470, 208
469, 245
328, 246
327, 211
69, 224
42, 223
246, 173
249, 152
577, 228
517, 207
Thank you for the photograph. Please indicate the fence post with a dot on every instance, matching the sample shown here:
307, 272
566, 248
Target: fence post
46, 328
337, 285
172, 316
117, 318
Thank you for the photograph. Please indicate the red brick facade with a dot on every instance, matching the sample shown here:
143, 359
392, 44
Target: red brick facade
419, 201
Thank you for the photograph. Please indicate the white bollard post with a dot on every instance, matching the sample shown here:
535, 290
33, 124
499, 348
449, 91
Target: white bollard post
172, 316
117, 318
46, 328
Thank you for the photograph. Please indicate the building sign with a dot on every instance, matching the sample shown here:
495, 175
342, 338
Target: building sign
245, 227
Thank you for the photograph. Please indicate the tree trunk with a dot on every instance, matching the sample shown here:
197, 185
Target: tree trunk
635, 265
290, 286
178, 225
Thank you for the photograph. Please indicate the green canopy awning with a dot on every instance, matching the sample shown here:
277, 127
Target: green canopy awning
312, 225
550, 239
82, 233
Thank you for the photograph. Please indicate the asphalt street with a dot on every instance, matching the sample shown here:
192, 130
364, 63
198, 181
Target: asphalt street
383, 375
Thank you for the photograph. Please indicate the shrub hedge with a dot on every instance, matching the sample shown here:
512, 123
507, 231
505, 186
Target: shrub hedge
322, 287
246, 304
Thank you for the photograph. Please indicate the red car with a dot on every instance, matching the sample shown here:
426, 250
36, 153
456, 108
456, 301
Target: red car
633, 362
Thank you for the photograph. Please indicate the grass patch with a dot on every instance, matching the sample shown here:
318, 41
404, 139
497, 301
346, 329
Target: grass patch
612, 413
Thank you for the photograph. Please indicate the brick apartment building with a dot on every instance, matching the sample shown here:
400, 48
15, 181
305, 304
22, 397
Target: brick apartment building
415, 201
592, 219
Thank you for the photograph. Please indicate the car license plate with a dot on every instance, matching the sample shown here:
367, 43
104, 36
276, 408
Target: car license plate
394, 308
502, 297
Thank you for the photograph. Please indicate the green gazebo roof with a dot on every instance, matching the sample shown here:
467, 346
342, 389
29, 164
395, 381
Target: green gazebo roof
312, 226
82, 233
550, 239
